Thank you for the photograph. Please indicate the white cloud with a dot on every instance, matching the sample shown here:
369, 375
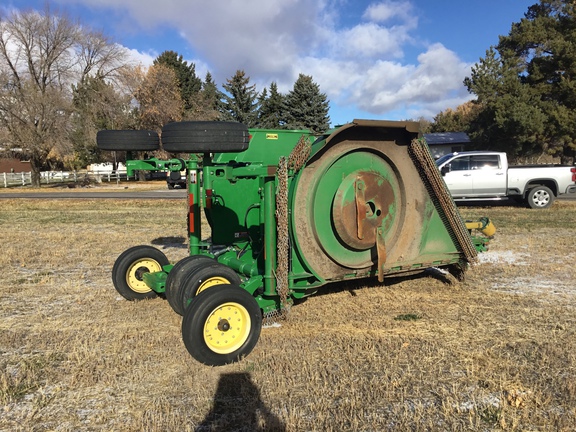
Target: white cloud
389, 85
144, 58
385, 11
371, 40
417, 90
362, 64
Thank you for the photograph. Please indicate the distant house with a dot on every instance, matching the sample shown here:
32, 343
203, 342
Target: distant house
442, 143
14, 165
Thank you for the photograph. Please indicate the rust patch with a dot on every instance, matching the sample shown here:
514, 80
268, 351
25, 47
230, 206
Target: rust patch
359, 209
271, 170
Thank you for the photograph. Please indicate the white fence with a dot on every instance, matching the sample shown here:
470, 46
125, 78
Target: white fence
53, 177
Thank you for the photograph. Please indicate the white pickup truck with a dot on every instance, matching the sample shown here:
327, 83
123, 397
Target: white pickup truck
484, 175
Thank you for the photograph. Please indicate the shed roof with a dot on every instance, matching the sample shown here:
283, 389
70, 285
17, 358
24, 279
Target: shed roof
446, 138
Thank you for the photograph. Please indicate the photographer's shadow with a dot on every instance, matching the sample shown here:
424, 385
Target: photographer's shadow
237, 406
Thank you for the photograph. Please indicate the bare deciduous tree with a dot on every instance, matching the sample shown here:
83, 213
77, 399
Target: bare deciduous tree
42, 57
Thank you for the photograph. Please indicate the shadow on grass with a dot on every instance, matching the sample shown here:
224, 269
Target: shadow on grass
171, 242
238, 406
503, 202
372, 282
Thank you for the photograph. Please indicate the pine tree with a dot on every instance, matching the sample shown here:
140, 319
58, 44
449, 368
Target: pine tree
511, 117
210, 90
239, 102
204, 105
306, 107
526, 84
271, 113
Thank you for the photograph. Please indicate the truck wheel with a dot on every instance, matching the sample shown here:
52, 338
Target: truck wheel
205, 137
540, 197
129, 140
173, 179
221, 325
179, 271
130, 267
200, 279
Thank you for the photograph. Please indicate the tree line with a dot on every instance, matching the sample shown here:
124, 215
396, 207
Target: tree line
60, 83
525, 88
303, 107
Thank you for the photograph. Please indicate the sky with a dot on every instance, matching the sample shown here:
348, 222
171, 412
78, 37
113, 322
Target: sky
387, 59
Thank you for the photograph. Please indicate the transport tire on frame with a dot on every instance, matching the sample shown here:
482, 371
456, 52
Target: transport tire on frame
127, 140
205, 137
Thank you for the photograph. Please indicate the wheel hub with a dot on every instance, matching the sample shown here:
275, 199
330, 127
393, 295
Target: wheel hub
227, 328
134, 276
541, 198
223, 325
139, 273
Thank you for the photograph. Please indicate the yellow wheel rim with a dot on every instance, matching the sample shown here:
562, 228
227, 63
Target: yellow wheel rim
210, 282
135, 272
227, 328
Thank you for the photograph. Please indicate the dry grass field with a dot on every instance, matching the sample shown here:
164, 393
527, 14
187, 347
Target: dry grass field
496, 352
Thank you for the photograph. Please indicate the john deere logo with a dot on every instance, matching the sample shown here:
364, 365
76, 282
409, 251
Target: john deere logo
271, 136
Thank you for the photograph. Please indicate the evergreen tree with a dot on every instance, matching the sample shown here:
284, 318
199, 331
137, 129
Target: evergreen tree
271, 113
188, 83
511, 117
306, 107
239, 102
211, 91
204, 106
526, 84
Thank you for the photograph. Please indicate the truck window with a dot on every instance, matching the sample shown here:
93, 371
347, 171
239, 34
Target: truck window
484, 162
460, 164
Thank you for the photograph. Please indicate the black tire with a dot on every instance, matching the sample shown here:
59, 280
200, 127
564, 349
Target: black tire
129, 268
128, 140
221, 325
203, 277
540, 197
179, 271
205, 137
175, 176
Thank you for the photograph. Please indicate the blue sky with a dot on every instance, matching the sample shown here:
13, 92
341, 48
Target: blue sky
391, 59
